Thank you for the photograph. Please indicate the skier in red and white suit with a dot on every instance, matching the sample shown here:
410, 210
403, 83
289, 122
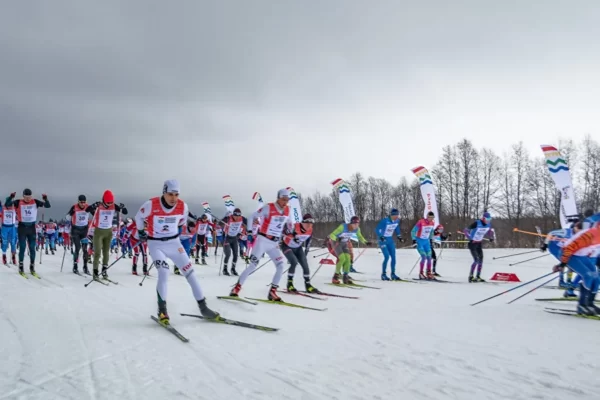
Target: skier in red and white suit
131, 234
274, 217
166, 215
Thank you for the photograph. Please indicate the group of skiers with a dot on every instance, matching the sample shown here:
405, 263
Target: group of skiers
165, 229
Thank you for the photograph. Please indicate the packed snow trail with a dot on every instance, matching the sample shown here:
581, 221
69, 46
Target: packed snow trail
412, 341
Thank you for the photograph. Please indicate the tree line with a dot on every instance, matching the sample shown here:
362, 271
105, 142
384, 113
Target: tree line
516, 187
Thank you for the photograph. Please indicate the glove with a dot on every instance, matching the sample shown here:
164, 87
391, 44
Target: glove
544, 247
13, 194
400, 239
121, 205
559, 267
143, 235
381, 238
414, 242
491, 240
44, 196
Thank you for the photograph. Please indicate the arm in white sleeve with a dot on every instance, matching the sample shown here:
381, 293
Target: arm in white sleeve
186, 213
262, 212
142, 214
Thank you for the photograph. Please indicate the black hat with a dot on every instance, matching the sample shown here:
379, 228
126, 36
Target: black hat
82, 197
27, 192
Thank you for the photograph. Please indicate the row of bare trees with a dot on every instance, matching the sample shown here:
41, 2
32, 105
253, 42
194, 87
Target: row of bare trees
515, 186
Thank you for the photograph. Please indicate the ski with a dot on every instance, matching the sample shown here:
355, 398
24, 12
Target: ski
170, 328
108, 280
362, 286
570, 313
282, 303
432, 280
304, 294
34, 274
233, 322
334, 295
100, 281
235, 298
343, 285
562, 299
399, 280
23, 275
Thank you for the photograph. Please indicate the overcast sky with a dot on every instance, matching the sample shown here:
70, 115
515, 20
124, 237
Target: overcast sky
232, 97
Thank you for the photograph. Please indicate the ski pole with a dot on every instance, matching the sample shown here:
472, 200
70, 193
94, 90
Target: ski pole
321, 255
529, 259
114, 262
413, 267
516, 254
63, 260
516, 287
535, 288
147, 273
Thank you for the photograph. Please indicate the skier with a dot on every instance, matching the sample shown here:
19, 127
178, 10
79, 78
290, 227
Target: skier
9, 233
339, 246
274, 217
235, 225
476, 233
580, 253
166, 215
26, 209
293, 240
385, 230
422, 234
102, 222
203, 228
80, 215
188, 236
438, 232
131, 236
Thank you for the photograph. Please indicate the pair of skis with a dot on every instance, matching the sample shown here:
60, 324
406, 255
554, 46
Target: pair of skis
573, 313
248, 300
219, 320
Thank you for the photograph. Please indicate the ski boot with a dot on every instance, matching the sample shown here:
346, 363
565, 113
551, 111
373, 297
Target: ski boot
471, 279
204, 261
46, 251
145, 269
134, 269
75, 268
347, 279
21, 268
290, 285
104, 273
336, 279
591, 305
197, 261
163, 316
14, 258
32, 269
436, 274
582, 306
273, 296
4, 261
569, 293
205, 311
430, 276
422, 276
310, 288
233, 271
384, 277
225, 272
394, 277
353, 270
176, 271
479, 279
236, 290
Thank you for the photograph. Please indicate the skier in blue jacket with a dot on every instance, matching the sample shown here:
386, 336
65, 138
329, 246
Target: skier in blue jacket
385, 230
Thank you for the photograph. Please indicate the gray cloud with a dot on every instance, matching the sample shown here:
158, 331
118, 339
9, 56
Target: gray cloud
233, 97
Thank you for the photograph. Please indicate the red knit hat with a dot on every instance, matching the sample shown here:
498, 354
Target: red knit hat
108, 197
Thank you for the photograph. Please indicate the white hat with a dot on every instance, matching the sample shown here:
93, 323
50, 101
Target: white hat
283, 193
171, 186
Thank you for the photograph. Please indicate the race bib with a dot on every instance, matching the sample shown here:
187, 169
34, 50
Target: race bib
389, 230
480, 234
9, 217
425, 232
105, 219
28, 212
166, 226
276, 225
234, 228
202, 229
81, 218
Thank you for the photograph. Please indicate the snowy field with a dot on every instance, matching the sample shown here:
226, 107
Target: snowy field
404, 341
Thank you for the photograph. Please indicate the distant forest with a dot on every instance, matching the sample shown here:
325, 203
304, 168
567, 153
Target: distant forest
516, 187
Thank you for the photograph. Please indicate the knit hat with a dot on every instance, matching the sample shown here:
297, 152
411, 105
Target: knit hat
283, 193
394, 212
487, 215
82, 197
354, 220
27, 192
171, 186
108, 197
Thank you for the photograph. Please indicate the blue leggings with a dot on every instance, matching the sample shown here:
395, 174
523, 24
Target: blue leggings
388, 248
585, 267
9, 236
187, 245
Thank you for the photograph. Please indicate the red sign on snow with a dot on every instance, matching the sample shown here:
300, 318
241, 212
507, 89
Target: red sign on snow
505, 277
326, 261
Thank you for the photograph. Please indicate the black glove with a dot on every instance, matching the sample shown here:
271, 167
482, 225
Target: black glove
382, 238
400, 239
121, 205
559, 267
544, 247
414, 241
143, 235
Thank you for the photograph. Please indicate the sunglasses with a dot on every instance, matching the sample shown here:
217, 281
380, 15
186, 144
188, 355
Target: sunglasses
237, 214
309, 221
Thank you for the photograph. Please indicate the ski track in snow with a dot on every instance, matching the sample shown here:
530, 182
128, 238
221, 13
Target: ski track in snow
414, 341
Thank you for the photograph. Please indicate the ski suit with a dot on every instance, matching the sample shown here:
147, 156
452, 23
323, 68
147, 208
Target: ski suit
26, 217
385, 230
9, 229
341, 237
422, 233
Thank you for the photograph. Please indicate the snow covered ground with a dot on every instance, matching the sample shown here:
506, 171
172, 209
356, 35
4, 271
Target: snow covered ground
404, 341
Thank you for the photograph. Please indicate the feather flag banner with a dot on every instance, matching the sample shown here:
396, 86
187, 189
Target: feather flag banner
427, 192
